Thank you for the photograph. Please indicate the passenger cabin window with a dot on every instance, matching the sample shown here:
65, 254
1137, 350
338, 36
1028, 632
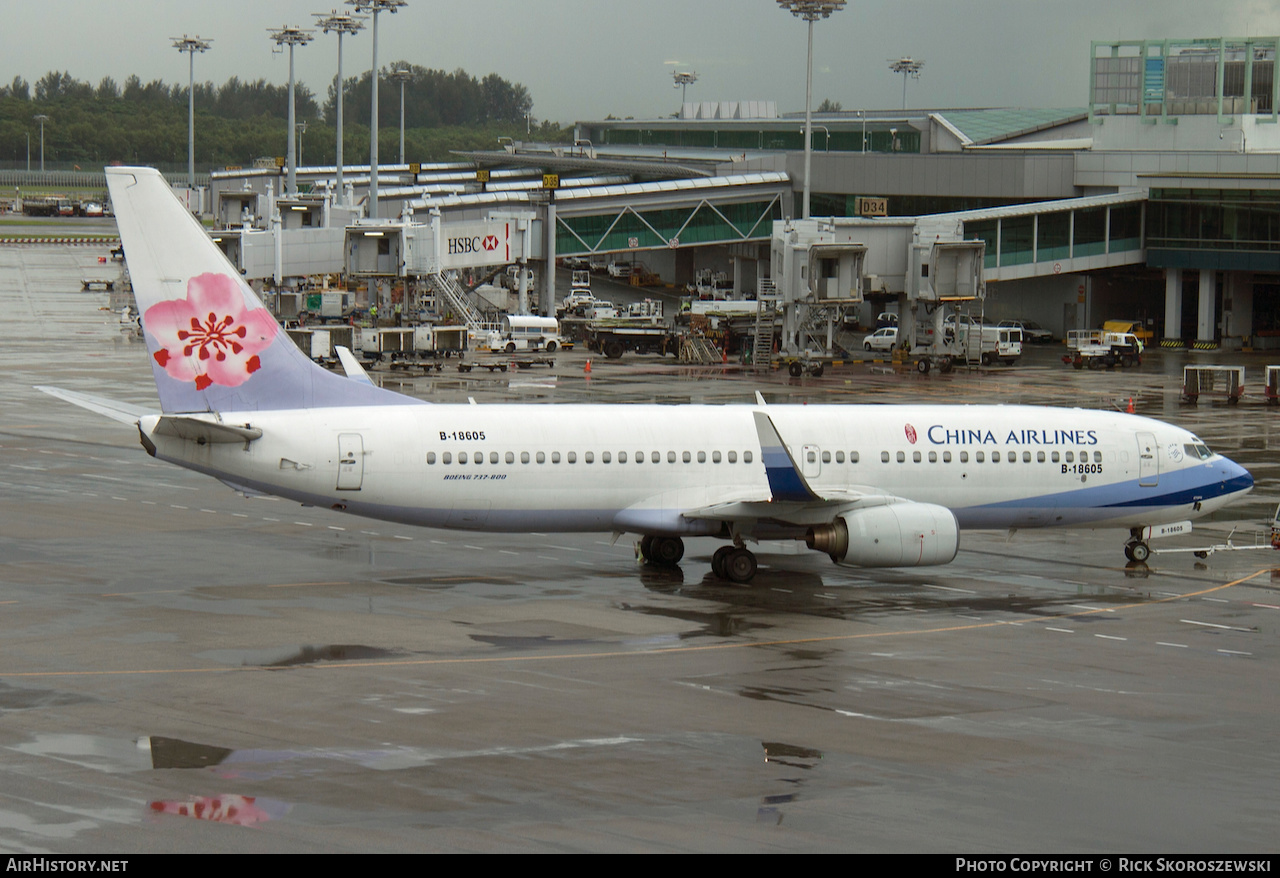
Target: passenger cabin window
715, 457
431, 458
446, 458
541, 458
511, 457
524, 457
902, 457
884, 457
746, 457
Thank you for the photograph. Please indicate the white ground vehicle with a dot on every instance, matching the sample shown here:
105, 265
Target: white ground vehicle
526, 333
882, 339
1099, 349
602, 309
987, 345
1032, 332
620, 270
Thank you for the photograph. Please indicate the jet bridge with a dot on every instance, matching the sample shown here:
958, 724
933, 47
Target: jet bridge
947, 276
820, 265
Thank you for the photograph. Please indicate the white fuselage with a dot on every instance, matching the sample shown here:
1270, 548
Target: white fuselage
639, 468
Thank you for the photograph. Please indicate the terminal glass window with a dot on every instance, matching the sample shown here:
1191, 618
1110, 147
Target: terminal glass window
1126, 228
1053, 236
1015, 243
986, 230
1091, 232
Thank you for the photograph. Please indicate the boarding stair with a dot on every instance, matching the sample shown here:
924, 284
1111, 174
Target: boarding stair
446, 285
766, 321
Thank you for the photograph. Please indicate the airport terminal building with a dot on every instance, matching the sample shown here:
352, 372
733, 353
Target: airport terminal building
1158, 201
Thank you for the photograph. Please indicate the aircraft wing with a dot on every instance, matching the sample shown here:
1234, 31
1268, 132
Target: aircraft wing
820, 510
791, 500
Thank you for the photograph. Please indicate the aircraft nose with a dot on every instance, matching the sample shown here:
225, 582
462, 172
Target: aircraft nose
1235, 478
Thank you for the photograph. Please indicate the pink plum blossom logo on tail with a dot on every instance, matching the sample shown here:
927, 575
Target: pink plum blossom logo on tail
210, 337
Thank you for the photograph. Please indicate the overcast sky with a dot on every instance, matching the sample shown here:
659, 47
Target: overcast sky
585, 59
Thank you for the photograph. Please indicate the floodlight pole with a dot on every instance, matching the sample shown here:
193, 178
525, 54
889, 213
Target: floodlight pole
41, 118
375, 6
810, 11
191, 45
401, 75
907, 67
341, 24
291, 36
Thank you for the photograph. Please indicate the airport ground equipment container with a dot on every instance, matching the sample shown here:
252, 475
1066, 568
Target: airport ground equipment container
1224, 381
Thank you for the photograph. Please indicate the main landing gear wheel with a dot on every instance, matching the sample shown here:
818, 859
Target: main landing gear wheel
662, 551
739, 565
718, 559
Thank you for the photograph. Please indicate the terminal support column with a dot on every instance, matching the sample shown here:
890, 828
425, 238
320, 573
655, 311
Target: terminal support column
1205, 307
1173, 303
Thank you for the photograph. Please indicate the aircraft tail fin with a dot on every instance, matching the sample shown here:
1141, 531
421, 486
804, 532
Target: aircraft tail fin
213, 345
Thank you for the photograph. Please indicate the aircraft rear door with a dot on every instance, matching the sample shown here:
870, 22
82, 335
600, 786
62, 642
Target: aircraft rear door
1148, 461
350, 461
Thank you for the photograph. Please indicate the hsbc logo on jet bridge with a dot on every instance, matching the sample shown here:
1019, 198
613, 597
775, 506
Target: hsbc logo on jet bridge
473, 244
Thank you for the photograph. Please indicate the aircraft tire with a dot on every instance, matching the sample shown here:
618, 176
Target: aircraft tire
740, 566
717, 562
1138, 550
646, 548
666, 551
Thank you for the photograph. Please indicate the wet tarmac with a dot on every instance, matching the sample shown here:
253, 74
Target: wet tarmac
184, 669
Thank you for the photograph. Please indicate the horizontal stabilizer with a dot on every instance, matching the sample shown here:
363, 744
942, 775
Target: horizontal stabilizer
197, 429
124, 412
351, 365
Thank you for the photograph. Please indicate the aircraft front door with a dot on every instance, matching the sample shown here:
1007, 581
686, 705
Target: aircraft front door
350, 461
1148, 461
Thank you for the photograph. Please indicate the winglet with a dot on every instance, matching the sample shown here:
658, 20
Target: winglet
785, 481
760, 398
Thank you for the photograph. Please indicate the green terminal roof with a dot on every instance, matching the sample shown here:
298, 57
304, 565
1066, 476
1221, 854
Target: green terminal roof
992, 126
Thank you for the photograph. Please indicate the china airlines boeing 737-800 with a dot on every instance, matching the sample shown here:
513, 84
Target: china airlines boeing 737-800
870, 486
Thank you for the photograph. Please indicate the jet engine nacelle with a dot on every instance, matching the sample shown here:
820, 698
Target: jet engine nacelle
897, 535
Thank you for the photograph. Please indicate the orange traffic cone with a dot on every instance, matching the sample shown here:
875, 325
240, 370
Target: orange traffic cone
1129, 410
587, 368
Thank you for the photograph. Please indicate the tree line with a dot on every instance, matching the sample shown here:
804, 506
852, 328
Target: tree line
146, 122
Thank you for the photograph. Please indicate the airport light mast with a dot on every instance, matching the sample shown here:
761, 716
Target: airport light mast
682, 82
341, 24
41, 118
810, 11
401, 75
374, 7
907, 66
191, 45
290, 35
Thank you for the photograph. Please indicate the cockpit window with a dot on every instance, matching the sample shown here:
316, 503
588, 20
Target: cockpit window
1198, 450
